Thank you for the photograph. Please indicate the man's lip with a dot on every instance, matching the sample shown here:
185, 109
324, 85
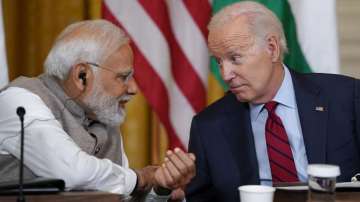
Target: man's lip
122, 103
236, 88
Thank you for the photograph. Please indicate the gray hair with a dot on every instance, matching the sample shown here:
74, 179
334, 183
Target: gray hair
85, 41
261, 21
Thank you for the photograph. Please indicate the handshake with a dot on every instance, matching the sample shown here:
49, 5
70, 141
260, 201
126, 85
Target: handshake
171, 177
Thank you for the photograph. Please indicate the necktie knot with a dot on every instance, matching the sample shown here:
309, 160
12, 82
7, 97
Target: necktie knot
271, 106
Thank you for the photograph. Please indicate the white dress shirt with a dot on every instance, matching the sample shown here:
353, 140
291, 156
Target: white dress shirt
50, 152
288, 112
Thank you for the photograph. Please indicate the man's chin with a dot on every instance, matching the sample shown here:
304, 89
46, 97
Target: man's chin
119, 118
242, 98
114, 122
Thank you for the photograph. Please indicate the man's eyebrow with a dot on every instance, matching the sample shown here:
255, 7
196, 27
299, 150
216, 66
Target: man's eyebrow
125, 72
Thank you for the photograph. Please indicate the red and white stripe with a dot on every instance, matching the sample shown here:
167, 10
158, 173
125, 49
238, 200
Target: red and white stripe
171, 57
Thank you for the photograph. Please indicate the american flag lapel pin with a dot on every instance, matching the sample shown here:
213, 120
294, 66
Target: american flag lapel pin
319, 108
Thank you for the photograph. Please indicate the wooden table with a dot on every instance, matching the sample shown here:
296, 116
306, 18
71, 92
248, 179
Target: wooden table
68, 197
302, 196
280, 196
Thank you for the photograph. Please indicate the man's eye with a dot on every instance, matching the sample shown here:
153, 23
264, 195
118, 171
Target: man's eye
125, 77
236, 59
218, 61
122, 77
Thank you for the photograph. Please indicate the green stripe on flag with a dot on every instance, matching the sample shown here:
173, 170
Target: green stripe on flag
295, 58
216, 72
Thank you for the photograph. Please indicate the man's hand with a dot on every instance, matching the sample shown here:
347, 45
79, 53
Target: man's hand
177, 170
145, 179
177, 195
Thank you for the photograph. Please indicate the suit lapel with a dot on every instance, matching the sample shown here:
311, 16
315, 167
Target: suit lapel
238, 133
313, 113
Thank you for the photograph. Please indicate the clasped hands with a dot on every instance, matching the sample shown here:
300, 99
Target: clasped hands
175, 172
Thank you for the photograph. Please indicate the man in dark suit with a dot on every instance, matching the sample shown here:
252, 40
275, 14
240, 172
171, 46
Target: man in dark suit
273, 122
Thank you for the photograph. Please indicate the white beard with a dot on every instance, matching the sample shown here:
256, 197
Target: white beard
106, 107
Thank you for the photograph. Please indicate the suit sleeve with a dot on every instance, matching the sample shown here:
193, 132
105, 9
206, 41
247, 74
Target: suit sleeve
357, 111
200, 188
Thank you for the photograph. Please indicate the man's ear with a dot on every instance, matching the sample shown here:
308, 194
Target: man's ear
79, 76
273, 46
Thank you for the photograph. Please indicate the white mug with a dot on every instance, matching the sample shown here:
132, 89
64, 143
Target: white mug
256, 193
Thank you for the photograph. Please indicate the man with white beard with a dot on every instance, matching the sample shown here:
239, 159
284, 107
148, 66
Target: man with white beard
73, 113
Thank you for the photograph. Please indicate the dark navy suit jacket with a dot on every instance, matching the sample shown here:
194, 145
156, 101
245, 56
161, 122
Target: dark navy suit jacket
222, 140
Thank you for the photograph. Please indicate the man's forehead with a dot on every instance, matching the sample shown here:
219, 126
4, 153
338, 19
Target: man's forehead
234, 35
120, 61
122, 54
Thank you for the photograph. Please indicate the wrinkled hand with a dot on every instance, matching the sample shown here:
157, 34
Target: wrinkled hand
177, 170
145, 178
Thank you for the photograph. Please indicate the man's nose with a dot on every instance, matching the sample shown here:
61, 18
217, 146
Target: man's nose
132, 87
227, 72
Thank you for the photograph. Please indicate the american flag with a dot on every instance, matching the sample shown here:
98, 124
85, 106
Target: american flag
171, 56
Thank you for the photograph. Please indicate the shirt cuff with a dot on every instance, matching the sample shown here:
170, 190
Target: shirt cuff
130, 179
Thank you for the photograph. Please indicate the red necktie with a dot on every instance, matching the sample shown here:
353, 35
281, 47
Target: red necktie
280, 156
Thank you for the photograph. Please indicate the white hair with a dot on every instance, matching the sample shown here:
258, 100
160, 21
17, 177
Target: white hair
261, 21
85, 41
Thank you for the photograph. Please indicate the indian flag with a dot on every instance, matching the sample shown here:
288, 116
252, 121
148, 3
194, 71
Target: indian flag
310, 29
4, 78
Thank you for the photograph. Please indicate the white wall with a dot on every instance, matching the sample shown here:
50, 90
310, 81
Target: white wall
348, 15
